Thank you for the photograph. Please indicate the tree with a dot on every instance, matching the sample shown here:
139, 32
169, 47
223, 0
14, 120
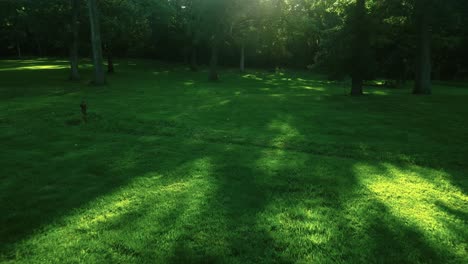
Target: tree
192, 27
242, 21
356, 38
360, 46
422, 84
113, 21
99, 76
216, 11
74, 74
344, 47
215, 40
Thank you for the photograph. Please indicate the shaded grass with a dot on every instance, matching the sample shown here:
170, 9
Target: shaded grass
257, 168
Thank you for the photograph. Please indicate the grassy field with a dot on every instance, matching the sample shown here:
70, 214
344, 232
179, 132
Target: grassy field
258, 168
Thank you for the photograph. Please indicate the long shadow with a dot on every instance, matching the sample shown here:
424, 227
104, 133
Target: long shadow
270, 198
455, 212
251, 182
50, 169
69, 181
394, 242
155, 224
359, 127
47, 180
226, 227
242, 196
327, 192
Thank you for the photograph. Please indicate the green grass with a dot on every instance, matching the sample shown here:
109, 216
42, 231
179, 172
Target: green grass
257, 168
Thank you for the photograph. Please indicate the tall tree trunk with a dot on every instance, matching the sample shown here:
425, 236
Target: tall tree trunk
193, 34
18, 49
74, 73
110, 61
186, 52
356, 86
193, 58
110, 64
422, 84
214, 60
359, 45
99, 76
242, 57
39, 48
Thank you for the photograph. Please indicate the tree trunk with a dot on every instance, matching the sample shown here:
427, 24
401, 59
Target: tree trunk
193, 34
99, 76
110, 62
39, 48
18, 49
214, 61
242, 57
186, 52
74, 74
193, 58
402, 75
356, 87
360, 44
422, 84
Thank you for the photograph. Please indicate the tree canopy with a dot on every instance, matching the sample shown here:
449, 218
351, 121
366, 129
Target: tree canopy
360, 39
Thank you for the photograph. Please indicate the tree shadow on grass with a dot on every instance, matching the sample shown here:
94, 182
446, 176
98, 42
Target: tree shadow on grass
460, 214
228, 225
373, 129
262, 199
333, 183
54, 169
391, 241
406, 224
47, 190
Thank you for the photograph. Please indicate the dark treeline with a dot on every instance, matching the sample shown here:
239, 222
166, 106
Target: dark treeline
363, 39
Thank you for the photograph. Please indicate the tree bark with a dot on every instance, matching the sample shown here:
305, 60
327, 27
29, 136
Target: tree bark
422, 84
74, 73
356, 87
99, 76
193, 33
242, 57
110, 62
39, 48
214, 61
193, 58
18, 49
360, 44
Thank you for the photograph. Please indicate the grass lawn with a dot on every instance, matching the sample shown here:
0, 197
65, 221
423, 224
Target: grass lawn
257, 168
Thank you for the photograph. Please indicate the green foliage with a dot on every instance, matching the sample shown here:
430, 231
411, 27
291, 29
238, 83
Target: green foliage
275, 33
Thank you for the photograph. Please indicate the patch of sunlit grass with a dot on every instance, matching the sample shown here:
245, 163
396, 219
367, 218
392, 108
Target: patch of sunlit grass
419, 198
189, 83
319, 89
146, 207
378, 92
36, 67
252, 77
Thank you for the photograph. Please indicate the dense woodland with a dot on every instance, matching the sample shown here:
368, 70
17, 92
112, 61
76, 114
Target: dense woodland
362, 39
